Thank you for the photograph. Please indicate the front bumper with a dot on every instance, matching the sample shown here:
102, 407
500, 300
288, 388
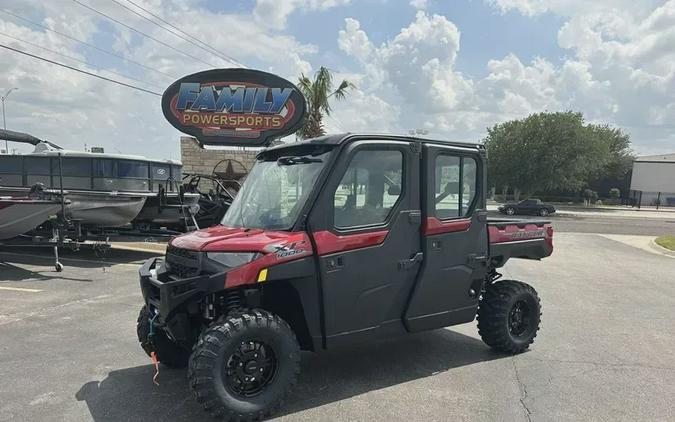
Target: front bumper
165, 294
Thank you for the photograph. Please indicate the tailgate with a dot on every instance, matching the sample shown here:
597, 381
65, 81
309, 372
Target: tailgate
529, 239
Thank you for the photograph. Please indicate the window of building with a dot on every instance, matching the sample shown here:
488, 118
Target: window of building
370, 188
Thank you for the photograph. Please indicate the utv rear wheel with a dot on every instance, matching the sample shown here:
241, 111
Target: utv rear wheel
509, 316
243, 367
168, 352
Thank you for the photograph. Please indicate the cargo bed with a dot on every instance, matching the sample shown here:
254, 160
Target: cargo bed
510, 238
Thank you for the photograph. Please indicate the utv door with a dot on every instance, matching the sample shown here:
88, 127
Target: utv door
366, 229
454, 240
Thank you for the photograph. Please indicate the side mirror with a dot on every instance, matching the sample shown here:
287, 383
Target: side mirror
394, 190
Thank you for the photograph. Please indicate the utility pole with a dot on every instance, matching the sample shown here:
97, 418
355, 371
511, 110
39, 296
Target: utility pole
4, 120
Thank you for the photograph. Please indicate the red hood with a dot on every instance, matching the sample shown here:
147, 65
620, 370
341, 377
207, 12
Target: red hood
226, 239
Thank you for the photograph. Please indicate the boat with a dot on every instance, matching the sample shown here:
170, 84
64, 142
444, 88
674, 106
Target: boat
103, 189
21, 215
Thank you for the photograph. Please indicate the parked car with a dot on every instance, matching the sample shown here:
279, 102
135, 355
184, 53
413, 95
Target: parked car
527, 206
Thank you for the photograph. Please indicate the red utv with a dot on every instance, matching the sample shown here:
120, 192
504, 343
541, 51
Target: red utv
333, 241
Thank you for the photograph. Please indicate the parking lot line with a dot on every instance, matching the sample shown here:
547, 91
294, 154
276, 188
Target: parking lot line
103, 262
20, 289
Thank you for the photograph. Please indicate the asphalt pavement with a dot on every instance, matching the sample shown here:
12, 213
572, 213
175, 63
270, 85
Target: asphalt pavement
604, 352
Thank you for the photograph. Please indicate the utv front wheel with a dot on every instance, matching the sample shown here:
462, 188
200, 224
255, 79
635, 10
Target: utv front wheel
508, 316
168, 352
243, 367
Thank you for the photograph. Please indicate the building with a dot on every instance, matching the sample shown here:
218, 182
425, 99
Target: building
653, 180
229, 163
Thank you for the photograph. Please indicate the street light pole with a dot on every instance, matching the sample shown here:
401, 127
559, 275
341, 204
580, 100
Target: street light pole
4, 120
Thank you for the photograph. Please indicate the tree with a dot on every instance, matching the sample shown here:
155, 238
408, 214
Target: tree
318, 93
553, 151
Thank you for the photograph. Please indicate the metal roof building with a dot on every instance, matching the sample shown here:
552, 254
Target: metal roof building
653, 180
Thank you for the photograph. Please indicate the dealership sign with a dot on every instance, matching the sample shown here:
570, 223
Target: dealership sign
240, 107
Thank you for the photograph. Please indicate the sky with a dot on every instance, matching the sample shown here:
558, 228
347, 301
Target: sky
450, 67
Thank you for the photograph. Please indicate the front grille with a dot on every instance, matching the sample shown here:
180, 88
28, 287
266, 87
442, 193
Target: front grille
183, 253
182, 263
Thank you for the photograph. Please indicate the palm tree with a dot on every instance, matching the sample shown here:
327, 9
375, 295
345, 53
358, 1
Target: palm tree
318, 93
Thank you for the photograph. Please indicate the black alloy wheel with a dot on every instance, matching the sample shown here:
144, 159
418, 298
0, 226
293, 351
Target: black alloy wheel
250, 368
509, 314
244, 366
520, 318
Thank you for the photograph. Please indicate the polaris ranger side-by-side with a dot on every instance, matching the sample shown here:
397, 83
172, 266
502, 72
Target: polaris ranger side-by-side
333, 241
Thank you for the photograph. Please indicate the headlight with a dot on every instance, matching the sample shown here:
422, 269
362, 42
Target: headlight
232, 259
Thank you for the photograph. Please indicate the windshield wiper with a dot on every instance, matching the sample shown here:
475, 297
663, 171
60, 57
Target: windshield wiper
302, 159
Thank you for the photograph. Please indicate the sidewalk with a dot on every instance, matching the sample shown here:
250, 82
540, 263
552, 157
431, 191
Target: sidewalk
620, 212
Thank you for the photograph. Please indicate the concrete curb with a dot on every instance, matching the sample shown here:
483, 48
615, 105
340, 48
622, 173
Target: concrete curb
149, 248
661, 249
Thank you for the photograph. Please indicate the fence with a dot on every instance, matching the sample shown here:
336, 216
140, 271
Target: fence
640, 198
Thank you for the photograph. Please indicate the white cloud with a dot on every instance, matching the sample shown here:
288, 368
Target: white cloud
418, 62
419, 4
275, 12
72, 109
620, 71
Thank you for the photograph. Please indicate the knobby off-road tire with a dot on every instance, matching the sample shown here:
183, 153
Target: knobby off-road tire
254, 343
168, 352
508, 316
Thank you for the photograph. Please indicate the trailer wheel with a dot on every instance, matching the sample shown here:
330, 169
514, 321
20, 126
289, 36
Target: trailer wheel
168, 352
244, 366
58, 267
508, 316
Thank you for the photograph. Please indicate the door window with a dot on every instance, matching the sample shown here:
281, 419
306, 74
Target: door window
370, 188
455, 186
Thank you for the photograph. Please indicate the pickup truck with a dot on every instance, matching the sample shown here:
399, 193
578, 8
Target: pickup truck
330, 242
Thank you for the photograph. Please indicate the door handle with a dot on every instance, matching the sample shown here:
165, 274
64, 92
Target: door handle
407, 264
335, 263
475, 258
415, 217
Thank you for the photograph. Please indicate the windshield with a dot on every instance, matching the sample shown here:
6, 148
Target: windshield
274, 193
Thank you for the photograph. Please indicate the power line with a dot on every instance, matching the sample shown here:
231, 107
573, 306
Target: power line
337, 122
81, 71
110, 53
185, 33
143, 33
209, 50
79, 60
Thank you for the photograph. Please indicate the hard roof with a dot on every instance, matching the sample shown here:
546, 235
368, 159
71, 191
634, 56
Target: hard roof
336, 139
666, 158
